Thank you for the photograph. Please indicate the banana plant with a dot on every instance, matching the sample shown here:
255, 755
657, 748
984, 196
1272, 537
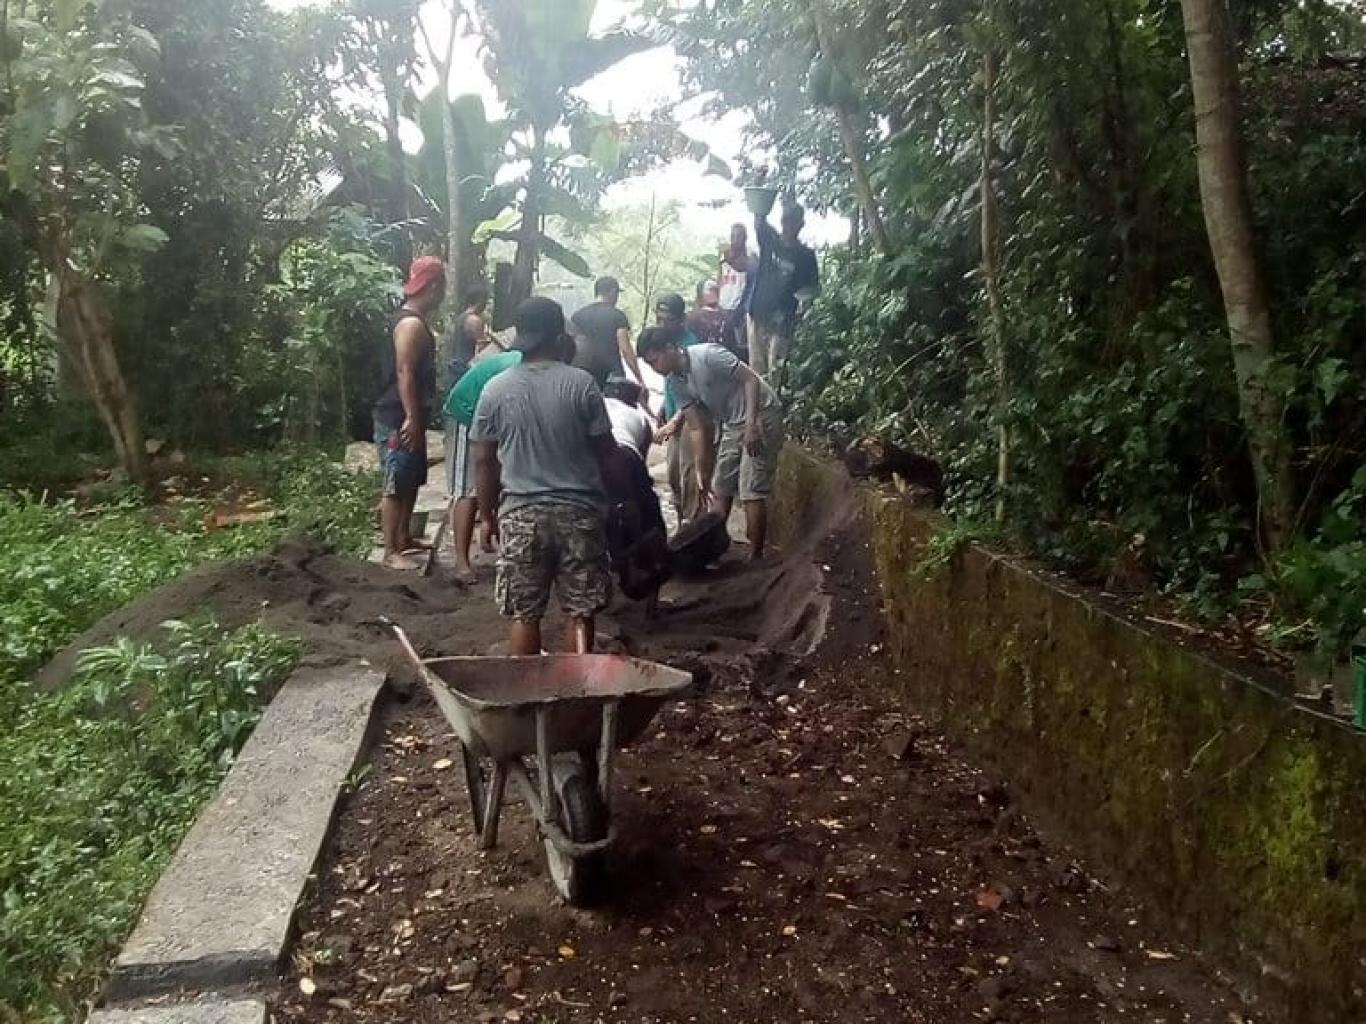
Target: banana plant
538, 53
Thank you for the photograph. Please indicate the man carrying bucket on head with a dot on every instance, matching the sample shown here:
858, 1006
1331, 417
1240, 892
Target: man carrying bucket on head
542, 448
787, 277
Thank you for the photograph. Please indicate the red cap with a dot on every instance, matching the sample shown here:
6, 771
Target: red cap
425, 272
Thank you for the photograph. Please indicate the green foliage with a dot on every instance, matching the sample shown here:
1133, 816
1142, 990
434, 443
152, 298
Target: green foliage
648, 251
948, 543
65, 567
1321, 581
1128, 455
334, 295
99, 782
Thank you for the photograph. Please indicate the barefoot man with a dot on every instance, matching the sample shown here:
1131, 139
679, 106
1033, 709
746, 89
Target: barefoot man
460, 479
750, 418
543, 448
401, 414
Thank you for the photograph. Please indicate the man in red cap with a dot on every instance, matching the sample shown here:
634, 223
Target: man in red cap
401, 412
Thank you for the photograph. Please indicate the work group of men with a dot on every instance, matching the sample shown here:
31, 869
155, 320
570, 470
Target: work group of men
549, 435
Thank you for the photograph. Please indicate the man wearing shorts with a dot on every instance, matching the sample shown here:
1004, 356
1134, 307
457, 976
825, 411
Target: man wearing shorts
460, 483
543, 450
786, 279
711, 377
401, 412
671, 316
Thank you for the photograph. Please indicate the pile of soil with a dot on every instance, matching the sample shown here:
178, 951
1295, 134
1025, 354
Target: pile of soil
793, 845
301, 588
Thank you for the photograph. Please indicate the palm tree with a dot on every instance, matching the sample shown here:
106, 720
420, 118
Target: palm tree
537, 54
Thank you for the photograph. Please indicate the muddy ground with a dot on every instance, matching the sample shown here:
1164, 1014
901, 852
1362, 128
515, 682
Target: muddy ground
794, 844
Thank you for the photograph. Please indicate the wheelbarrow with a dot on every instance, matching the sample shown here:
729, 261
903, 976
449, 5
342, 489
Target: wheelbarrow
565, 714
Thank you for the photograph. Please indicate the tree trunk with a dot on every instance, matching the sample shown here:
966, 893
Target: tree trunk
458, 271
646, 284
1228, 222
851, 135
991, 280
87, 334
399, 212
529, 235
852, 138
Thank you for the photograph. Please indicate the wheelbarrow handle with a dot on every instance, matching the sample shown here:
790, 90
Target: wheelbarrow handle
404, 642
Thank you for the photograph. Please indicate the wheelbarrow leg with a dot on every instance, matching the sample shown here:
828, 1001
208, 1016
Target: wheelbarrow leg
606, 750
543, 770
493, 810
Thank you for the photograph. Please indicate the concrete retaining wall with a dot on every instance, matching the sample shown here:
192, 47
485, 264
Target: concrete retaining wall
1234, 811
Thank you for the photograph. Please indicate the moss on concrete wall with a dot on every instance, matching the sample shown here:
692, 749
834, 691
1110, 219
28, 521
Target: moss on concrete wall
1242, 814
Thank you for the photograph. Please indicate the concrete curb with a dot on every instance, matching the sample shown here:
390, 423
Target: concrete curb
240, 1011
221, 915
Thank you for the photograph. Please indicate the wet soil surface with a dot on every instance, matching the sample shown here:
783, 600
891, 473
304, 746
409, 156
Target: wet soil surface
794, 844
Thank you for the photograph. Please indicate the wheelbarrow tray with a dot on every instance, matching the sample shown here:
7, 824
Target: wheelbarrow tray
492, 703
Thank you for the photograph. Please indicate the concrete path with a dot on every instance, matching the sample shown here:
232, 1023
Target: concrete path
241, 1011
221, 913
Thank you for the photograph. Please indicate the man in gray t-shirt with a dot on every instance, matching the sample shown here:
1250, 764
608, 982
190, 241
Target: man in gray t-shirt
542, 446
709, 379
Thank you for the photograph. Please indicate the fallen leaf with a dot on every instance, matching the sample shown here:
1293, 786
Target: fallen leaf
568, 952
989, 899
1161, 954
443, 764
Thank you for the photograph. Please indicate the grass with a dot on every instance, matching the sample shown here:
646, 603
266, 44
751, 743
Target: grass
62, 567
99, 782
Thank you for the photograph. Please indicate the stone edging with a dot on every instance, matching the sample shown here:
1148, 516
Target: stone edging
1239, 813
221, 915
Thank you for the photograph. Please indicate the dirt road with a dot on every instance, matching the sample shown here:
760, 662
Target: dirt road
794, 845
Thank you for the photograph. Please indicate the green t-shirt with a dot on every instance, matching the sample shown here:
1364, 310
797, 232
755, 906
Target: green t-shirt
464, 396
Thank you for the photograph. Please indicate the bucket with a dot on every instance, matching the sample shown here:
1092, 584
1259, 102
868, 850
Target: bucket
760, 199
698, 544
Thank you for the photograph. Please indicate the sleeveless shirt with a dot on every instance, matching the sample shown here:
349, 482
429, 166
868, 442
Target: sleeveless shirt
388, 409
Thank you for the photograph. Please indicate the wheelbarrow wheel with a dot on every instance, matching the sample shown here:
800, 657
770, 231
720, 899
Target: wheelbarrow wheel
476, 787
579, 879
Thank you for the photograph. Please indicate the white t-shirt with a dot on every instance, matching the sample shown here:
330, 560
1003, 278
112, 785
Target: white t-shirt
732, 283
631, 426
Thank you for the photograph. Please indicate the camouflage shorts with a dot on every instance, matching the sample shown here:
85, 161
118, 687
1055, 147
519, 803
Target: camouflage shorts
552, 543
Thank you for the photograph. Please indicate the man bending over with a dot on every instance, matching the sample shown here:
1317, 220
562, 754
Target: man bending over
750, 419
542, 447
